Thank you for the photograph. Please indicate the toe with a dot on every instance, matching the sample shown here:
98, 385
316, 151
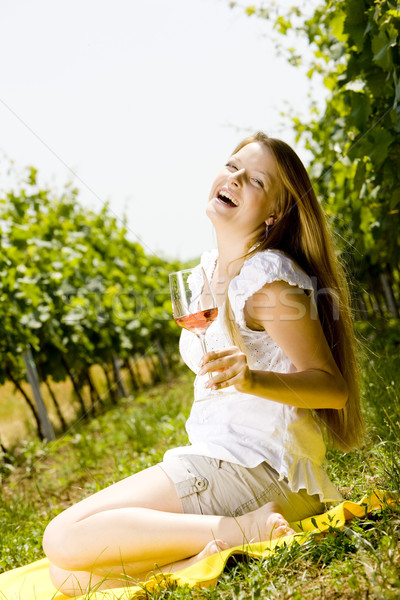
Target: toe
282, 531
221, 545
212, 548
278, 526
216, 546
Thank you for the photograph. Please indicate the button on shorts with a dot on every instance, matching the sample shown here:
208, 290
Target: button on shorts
210, 486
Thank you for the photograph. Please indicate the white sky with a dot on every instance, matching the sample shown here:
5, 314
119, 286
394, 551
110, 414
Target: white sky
143, 101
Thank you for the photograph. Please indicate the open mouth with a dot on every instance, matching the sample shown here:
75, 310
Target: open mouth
227, 199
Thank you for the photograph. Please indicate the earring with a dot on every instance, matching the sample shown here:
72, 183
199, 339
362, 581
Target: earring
257, 244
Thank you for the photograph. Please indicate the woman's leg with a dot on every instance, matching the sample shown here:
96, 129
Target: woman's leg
135, 527
77, 583
72, 582
150, 489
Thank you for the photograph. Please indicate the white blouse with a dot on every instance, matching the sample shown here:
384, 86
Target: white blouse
242, 428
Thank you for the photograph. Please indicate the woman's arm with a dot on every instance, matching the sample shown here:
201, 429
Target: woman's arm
286, 313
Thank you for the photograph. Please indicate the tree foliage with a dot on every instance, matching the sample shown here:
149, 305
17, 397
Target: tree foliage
355, 141
73, 287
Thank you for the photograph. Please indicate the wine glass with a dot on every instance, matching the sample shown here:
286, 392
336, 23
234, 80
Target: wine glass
193, 303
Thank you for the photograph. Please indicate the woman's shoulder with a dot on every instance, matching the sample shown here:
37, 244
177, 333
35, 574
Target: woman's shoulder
272, 265
260, 269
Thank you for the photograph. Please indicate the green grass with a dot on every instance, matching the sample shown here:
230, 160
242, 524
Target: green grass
361, 561
41, 480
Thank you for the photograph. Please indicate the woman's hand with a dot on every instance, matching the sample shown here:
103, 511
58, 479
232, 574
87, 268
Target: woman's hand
229, 367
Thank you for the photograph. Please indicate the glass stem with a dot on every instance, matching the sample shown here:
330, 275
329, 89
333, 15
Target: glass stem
202, 339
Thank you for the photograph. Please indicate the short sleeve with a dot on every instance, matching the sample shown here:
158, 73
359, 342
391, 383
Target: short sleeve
263, 267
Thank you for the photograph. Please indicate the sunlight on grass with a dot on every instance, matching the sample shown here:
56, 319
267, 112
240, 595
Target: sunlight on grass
360, 561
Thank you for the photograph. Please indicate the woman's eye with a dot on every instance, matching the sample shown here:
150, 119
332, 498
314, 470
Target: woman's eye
257, 181
230, 166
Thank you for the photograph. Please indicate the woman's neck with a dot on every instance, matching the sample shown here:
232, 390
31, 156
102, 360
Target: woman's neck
230, 254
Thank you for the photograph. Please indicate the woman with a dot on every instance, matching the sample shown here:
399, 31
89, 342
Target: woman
282, 358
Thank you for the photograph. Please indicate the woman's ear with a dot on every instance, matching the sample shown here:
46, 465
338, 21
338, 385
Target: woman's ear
271, 220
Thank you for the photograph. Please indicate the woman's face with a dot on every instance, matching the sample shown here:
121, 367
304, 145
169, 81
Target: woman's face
244, 191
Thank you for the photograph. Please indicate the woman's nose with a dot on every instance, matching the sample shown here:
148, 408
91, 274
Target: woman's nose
236, 178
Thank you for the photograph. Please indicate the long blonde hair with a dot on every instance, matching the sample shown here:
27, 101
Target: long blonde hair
302, 232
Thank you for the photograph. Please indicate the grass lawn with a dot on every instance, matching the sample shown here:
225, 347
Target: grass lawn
363, 561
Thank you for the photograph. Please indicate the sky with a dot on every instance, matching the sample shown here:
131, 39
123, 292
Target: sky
139, 103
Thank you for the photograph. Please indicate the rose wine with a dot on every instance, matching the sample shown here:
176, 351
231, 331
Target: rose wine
198, 322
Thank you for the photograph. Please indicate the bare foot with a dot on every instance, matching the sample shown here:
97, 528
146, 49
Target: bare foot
211, 548
264, 524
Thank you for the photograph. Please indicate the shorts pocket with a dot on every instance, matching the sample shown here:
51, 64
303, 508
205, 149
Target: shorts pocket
270, 493
193, 485
189, 493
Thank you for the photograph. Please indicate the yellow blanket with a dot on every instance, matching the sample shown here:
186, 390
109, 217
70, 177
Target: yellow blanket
32, 582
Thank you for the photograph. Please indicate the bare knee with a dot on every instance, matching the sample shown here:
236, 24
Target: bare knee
59, 545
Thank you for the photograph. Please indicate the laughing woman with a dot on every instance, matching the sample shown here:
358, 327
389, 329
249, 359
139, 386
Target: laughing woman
281, 354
